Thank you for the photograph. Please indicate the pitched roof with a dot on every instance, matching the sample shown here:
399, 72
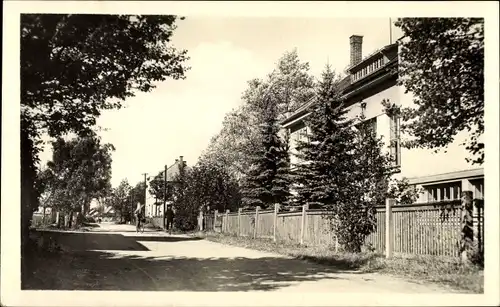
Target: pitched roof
343, 84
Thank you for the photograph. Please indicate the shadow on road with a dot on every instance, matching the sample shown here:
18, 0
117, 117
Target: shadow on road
79, 241
96, 270
164, 238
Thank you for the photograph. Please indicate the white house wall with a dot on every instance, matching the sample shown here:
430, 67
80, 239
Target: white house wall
419, 162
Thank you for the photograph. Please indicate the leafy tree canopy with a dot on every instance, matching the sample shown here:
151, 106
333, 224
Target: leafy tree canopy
80, 170
87, 63
442, 64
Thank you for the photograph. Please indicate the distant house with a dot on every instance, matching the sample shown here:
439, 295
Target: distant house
369, 81
154, 207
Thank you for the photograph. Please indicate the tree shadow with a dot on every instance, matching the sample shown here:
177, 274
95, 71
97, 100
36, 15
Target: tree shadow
96, 270
82, 241
164, 238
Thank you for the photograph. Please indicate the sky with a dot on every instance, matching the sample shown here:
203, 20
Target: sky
179, 117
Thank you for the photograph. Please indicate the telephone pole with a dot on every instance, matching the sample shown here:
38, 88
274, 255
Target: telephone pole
390, 31
165, 198
145, 191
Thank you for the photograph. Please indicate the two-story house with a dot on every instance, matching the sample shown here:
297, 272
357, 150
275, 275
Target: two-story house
154, 207
369, 81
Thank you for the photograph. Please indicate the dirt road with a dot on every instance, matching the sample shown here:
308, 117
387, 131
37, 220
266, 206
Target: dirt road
115, 257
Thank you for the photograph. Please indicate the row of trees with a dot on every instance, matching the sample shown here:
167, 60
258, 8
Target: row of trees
84, 64
87, 63
343, 167
79, 172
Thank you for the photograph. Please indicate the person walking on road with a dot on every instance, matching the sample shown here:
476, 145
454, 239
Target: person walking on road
170, 218
138, 216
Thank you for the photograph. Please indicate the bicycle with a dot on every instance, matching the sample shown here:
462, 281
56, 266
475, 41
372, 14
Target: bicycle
141, 226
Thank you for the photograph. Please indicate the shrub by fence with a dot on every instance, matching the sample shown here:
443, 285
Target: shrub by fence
418, 229
39, 220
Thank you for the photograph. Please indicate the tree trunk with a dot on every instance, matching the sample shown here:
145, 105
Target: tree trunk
467, 239
70, 223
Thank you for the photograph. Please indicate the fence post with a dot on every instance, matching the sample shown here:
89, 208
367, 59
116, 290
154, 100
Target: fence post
226, 225
467, 239
216, 212
303, 224
239, 221
256, 224
389, 228
275, 220
200, 220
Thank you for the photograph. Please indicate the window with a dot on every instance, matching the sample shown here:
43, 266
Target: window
302, 134
395, 140
444, 191
478, 191
370, 124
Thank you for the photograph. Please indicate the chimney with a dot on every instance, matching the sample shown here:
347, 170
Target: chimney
356, 48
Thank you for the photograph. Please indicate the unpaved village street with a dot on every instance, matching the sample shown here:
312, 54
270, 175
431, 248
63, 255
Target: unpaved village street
115, 257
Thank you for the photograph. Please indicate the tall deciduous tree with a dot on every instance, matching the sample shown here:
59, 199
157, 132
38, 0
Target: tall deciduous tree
79, 172
291, 83
442, 64
74, 66
119, 200
289, 86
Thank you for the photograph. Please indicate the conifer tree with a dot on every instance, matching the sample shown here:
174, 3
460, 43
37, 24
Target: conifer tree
283, 179
326, 158
267, 181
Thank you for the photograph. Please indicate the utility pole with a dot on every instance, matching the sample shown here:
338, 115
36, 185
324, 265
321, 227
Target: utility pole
165, 198
145, 192
390, 31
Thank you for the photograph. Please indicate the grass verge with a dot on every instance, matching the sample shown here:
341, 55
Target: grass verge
443, 271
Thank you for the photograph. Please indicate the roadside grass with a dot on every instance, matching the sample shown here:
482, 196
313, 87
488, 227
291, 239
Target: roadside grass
447, 272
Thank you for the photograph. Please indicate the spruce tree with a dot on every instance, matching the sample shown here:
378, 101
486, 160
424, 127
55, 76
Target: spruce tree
267, 181
282, 180
326, 157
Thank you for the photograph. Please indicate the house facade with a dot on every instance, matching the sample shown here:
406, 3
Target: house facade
154, 207
372, 79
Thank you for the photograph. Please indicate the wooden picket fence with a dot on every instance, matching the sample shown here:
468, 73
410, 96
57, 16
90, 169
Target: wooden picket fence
417, 229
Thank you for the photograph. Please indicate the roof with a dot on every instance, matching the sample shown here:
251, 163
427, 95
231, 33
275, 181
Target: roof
369, 56
174, 169
345, 83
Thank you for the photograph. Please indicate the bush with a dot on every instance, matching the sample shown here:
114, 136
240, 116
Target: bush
185, 220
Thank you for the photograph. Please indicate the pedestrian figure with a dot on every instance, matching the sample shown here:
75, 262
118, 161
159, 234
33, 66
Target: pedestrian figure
170, 218
138, 216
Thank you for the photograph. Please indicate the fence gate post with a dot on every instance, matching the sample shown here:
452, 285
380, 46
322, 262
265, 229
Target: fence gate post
467, 239
275, 220
303, 224
389, 228
226, 224
256, 224
239, 222
200, 220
